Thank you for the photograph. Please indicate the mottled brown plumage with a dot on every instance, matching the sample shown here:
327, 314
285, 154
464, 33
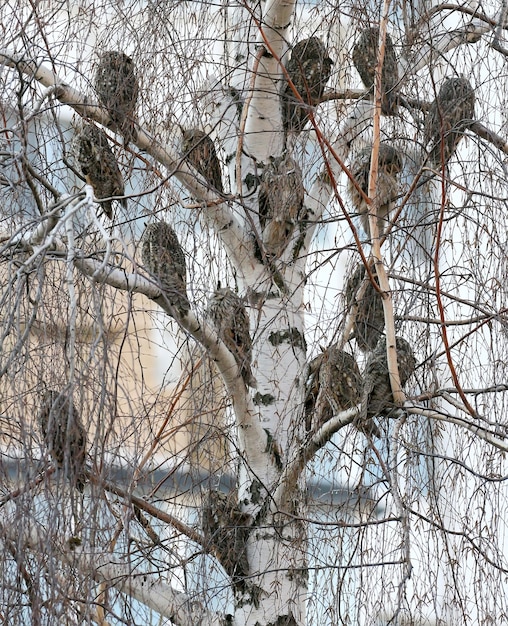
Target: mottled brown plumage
334, 376
117, 87
365, 58
387, 188
370, 320
99, 166
377, 398
227, 530
198, 149
229, 316
309, 69
280, 200
449, 115
64, 435
163, 257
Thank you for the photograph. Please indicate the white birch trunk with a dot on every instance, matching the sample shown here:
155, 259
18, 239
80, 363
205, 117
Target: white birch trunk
268, 419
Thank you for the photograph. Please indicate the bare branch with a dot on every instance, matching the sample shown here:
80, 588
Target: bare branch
489, 135
142, 586
458, 9
481, 432
443, 43
306, 452
218, 213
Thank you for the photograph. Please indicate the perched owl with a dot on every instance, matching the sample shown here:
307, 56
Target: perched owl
377, 396
64, 435
163, 257
309, 69
365, 56
449, 115
228, 314
370, 320
99, 166
117, 87
198, 148
280, 202
227, 529
334, 374
387, 188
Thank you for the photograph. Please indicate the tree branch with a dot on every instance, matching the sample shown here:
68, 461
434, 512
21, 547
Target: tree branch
306, 452
458, 9
443, 43
489, 135
217, 212
182, 609
334, 156
250, 431
483, 433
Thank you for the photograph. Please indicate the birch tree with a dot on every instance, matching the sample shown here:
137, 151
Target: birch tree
213, 494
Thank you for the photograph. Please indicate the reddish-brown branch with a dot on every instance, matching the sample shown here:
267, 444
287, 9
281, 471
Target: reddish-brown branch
444, 332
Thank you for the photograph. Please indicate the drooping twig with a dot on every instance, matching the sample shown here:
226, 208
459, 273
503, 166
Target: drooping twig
218, 212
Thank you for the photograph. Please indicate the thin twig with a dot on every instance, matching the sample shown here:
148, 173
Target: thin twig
440, 306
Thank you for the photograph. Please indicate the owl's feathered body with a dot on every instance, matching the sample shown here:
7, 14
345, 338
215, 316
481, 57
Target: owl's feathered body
64, 435
387, 187
227, 529
377, 397
230, 318
335, 377
99, 166
117, 87
198, 149
164, 258
309, 69
280, 199
449, 115
370, 320
365, 59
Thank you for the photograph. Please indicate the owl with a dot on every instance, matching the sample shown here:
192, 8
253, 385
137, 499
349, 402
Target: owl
227, 530
365, 56
64, 435
449, 115
309, 69
227, 313
99, 166
377, 396
370, 319
163, 257
280, 201
198, 149
117, 87
334, 374
387, 188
